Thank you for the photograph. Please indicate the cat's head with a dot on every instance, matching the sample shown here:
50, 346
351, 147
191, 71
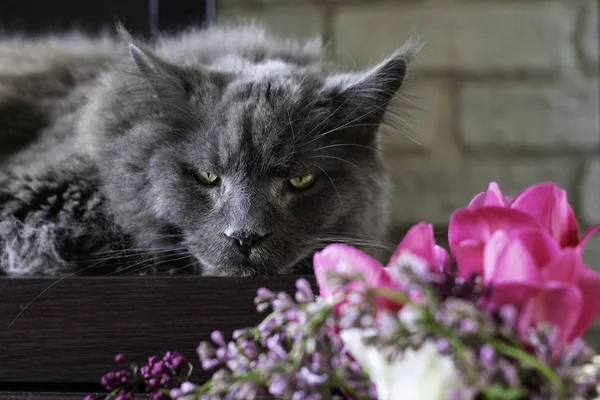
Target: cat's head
251, 169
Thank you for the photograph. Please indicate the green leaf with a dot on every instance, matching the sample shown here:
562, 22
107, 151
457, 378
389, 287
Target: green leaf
503, 393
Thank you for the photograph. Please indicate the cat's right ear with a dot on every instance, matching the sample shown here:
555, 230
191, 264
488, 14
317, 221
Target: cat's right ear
366, 94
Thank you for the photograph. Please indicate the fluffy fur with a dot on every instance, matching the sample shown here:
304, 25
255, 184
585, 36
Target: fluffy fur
104, 141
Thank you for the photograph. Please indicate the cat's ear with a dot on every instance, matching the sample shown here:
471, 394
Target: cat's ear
367, 94
166, 79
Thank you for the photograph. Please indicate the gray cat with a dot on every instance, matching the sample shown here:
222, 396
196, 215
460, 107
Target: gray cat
221, 152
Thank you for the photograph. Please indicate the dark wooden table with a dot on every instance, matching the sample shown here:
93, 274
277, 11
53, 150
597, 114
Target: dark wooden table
58, 338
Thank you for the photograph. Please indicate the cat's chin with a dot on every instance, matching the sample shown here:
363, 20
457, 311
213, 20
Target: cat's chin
255, 263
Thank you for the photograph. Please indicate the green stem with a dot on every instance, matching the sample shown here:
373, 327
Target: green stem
190, 370
340, 384
390, 294
532, 361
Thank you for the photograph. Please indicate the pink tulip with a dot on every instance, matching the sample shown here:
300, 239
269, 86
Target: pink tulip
543, 205
362, 271
545, 202
528, 251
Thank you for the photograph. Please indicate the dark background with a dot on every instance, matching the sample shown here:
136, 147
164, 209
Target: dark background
142, 17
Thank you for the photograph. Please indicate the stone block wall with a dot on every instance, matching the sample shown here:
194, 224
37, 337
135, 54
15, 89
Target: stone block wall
505, 91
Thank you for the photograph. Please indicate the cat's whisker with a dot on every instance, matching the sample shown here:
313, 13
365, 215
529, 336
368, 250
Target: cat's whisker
153, 258
374, 149
354, 235
137, 250
326, 119
120, 256
354, 240
293, 133
360, 168
151, 263
330, 180
47, 288
348, 125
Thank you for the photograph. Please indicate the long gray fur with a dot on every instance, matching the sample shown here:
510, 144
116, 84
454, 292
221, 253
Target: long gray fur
102, 140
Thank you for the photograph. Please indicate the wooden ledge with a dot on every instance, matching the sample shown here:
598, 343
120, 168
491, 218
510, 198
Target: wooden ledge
68, 335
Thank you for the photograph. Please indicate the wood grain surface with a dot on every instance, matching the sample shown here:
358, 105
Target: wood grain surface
65, 339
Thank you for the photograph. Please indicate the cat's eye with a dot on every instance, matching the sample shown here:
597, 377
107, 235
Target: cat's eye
208, 178
303, 182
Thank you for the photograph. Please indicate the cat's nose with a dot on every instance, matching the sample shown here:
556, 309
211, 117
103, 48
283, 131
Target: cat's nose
246, 239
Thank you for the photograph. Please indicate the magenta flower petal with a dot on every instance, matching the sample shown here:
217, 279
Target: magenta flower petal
589, 284
443, 258
541, 245
347, 261
548, 205
558, 305
420, 242
480, 224
492, 198
563, 267
469, 258
511, 293
509, 260
469, 230
585, 237
478, 200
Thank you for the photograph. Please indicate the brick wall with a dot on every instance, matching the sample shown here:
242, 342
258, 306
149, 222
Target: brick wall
506, 91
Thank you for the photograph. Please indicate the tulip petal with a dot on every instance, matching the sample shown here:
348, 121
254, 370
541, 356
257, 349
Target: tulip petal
479, 224
548, 205
420, 242
589, 284
541, 245
509, 260
359, 267
477, 201
469, 258
346, 261
563, 267
511, 293
492, 198
443, 259
586, 236
559, 306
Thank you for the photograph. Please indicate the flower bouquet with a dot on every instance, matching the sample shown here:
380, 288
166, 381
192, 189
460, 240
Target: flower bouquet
500, 319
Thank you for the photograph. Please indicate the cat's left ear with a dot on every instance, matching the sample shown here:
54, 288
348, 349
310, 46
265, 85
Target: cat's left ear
367, 94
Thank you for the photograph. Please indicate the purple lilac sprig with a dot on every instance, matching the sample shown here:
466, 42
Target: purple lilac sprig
156, 377
292, 354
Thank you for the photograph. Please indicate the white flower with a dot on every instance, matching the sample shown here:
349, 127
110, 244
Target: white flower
424, 374
410, 317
